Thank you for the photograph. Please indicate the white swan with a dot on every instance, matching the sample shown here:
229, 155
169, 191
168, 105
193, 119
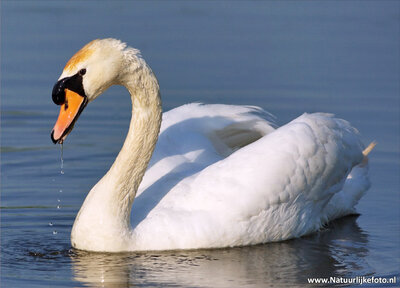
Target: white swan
220, 175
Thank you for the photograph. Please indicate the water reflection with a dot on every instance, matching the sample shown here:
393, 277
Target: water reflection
338, 250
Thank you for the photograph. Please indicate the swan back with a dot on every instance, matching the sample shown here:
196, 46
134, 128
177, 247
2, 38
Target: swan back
273, 189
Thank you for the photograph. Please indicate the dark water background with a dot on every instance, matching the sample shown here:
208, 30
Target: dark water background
287, 57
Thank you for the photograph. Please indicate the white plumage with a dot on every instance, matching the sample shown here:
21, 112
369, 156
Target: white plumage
278, 187
220, 175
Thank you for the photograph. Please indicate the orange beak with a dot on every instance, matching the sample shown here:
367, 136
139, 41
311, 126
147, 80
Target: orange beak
69, 113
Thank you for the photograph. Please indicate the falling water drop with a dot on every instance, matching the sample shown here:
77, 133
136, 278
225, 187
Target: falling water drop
62, 158
60, 190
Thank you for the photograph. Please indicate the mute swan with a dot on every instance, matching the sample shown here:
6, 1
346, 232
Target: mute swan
220, 175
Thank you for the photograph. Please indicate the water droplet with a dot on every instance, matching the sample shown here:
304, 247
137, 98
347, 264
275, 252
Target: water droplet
62, 159
58, 200
50, 223
58, 206
62, 152
54, 232
60, 191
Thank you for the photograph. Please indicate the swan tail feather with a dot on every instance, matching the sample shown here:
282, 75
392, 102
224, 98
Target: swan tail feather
366, 151
369, 148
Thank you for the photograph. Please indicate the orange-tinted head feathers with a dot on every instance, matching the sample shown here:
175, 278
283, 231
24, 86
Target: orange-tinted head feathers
79, 56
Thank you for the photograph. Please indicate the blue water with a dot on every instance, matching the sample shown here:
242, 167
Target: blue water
288, 57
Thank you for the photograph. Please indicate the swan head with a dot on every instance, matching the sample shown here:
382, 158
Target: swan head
93, 69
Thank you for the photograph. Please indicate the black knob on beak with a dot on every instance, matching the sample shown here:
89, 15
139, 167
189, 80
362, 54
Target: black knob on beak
58, 93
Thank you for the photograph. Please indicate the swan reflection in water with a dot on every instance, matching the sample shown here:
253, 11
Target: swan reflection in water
337, 250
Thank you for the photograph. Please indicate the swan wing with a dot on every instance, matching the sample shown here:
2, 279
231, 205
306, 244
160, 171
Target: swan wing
194, 136
275, 188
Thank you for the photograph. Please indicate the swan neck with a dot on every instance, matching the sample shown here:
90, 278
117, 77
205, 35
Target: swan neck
131, 163
103, 222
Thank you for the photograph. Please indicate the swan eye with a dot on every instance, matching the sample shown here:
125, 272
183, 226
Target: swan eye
82, 72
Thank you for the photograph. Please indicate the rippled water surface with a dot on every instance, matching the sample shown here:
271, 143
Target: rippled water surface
287, 57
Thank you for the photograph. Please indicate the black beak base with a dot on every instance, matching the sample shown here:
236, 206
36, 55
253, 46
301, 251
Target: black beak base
73, 83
